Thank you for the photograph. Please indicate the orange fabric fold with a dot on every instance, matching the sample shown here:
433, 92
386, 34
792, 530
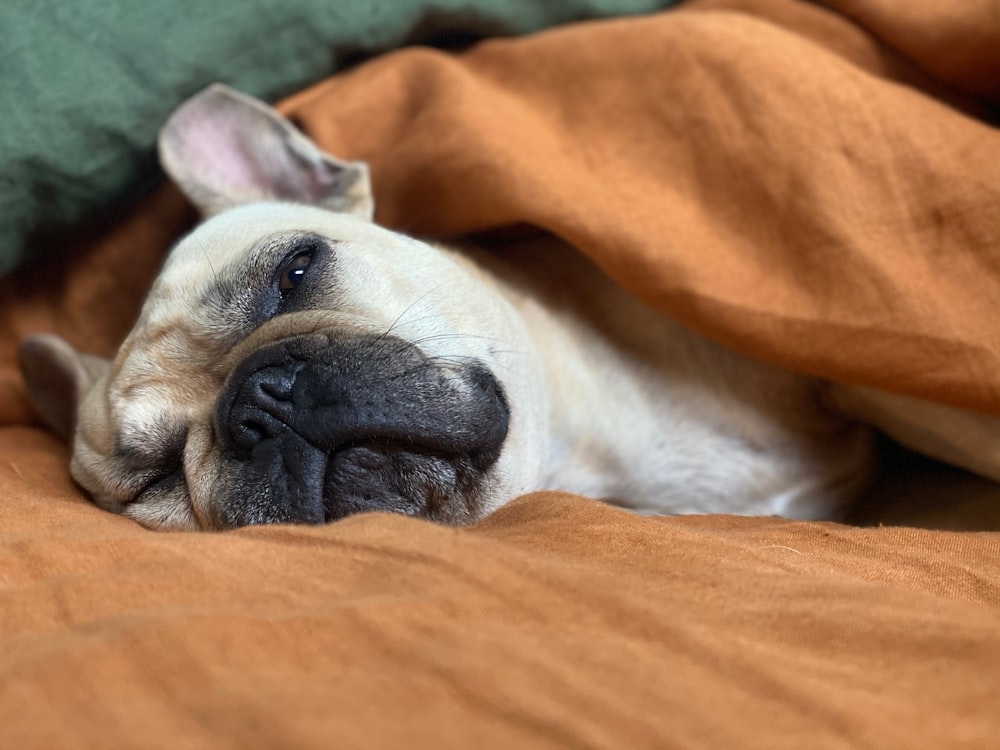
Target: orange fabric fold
557, 622
761, 171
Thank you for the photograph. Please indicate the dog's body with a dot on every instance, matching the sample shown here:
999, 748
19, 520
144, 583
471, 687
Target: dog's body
647, 415
295, 363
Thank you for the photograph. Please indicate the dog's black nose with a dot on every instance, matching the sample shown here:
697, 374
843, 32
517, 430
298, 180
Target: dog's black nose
290, 409
255, 413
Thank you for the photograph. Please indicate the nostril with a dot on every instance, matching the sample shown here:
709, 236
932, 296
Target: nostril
248, 433
258, 409
280, 390
276, 382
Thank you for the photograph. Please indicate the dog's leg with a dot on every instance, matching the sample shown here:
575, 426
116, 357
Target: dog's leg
958, 437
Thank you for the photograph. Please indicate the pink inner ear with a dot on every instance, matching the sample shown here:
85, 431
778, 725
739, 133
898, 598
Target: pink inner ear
224, 150
215, 151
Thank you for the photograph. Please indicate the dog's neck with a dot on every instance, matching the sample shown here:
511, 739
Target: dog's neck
639, 406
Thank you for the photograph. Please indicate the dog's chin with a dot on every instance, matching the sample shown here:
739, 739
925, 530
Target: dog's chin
390, 478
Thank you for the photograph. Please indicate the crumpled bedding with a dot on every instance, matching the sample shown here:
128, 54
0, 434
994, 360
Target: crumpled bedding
813, 184
87, 84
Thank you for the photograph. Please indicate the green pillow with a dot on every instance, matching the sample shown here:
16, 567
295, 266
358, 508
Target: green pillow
85, 84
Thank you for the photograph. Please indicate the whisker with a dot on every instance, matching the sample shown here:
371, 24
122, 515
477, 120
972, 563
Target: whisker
454, 335
202, 245
409, 307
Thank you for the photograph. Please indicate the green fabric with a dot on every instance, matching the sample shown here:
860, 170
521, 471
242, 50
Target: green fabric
85, 84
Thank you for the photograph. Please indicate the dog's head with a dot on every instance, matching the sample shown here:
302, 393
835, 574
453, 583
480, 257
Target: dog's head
294, 362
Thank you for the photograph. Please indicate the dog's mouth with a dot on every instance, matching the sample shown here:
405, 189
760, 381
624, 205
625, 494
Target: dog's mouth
402, 479
312, 429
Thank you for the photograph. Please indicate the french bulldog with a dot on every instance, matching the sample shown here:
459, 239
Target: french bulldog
296, 363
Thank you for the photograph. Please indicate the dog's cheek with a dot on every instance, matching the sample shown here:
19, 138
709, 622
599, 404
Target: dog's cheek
203, 476
520, 466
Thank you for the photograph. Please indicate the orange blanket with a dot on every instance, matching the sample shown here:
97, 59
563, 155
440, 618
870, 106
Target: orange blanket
815, 186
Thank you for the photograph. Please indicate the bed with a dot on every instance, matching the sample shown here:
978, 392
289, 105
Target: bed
813, 184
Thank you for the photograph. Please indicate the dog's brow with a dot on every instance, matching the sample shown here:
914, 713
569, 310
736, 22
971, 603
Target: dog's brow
270, 252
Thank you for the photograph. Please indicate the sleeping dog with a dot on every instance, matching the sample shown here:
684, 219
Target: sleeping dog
294, 362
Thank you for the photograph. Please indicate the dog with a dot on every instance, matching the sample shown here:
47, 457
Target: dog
296, 363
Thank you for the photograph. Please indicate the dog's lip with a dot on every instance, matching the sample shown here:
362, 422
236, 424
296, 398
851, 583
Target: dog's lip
390, 476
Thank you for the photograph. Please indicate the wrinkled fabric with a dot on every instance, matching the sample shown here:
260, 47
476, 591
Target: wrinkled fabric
764, 172
557, 622
812, 184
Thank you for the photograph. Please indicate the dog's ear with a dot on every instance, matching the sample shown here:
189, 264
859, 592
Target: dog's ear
58, 377
225, 149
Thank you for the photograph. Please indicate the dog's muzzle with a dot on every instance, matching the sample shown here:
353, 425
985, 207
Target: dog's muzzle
315, 427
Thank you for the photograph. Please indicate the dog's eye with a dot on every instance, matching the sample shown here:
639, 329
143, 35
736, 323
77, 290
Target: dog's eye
159, 483
293, 271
